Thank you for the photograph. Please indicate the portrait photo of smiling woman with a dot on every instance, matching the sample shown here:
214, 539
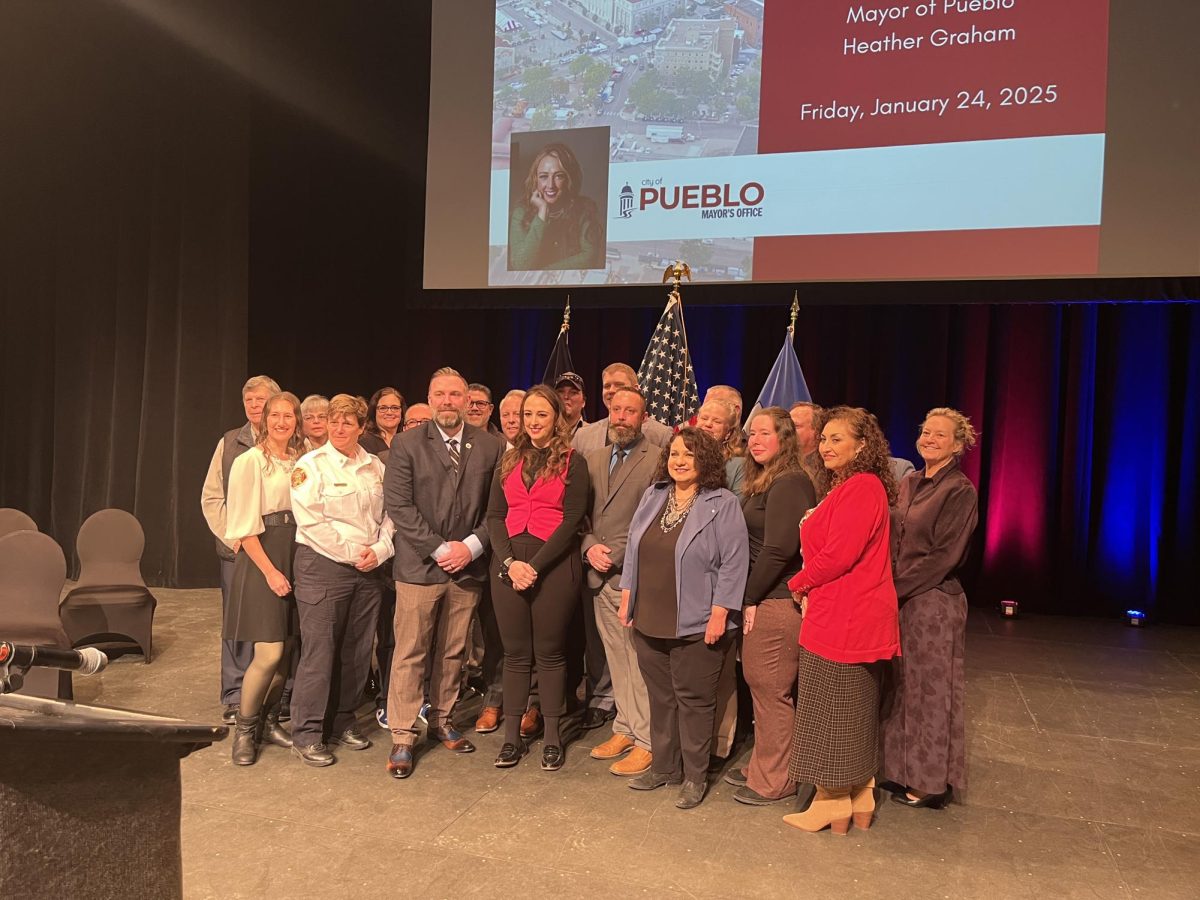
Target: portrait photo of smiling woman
553, 223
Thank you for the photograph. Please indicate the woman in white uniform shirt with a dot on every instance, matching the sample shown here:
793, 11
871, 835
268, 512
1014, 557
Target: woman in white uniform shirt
261, 525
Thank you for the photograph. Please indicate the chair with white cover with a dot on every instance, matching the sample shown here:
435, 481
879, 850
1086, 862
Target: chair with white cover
110, 601
33, 571
14, 520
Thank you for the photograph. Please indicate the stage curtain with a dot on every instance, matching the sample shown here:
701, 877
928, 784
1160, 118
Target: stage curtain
123, 245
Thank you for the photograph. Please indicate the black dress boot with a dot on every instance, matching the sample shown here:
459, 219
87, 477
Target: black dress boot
245, 740
273, 732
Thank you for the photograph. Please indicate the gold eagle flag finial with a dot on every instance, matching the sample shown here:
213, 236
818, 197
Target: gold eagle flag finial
676, 272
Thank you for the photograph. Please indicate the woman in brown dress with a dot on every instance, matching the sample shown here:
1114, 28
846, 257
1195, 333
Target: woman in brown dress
775, 496
924, 731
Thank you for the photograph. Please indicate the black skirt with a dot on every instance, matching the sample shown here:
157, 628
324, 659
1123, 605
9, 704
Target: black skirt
255, 612
835, 742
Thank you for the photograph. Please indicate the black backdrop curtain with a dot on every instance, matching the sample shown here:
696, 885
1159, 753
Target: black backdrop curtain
123, 248
189, 201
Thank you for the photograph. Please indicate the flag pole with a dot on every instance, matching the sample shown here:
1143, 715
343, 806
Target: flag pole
795, 313
566, 322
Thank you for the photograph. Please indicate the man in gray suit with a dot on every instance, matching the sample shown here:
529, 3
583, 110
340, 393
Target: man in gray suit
616, 376
436, 491
620, 474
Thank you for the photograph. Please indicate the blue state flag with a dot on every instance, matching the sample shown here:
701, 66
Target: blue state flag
785, 382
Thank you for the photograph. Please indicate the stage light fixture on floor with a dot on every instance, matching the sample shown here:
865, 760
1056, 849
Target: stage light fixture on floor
1009, 608
1135, 618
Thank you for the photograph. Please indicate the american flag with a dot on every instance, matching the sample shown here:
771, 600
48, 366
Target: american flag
665, 375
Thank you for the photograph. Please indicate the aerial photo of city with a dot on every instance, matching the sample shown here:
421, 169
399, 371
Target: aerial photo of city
671, 79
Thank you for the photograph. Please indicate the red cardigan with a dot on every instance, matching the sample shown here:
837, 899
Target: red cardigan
852, 614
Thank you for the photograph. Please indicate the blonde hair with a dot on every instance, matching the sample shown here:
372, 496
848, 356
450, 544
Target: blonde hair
348, 405
964, 432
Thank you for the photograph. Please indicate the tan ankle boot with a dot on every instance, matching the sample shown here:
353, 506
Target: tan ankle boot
831, 807
862, 800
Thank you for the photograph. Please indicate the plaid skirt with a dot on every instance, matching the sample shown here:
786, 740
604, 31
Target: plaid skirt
835, 741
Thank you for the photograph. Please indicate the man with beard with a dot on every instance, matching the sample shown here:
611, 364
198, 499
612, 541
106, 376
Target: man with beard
436, 491
620, 473
616, 376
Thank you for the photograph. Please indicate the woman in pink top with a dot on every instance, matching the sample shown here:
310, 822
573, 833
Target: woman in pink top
849, 627
538, 501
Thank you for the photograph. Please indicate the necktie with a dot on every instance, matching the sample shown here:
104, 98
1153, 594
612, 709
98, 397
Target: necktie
614, 465
455, 459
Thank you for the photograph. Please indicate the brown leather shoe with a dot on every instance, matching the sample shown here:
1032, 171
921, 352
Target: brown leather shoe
489, 720
400, 761
637, 762
452, 739
531, 723
617, 745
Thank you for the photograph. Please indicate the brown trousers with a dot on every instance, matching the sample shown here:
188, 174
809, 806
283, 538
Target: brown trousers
771, 663
431, 627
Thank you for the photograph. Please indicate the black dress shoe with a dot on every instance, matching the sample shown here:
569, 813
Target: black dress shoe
930, 801
691, 794
749, 796
552, 758
594, 717
649, 781
314, 754
510, 755
353, 739
736, 777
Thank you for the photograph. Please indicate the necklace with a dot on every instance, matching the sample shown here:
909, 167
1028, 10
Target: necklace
673, 514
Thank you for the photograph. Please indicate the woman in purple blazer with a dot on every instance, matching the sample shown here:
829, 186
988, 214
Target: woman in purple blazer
685, 572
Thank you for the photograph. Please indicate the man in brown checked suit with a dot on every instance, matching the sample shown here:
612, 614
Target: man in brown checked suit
620, 474
436, 490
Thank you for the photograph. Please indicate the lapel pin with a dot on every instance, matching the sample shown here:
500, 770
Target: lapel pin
467, 446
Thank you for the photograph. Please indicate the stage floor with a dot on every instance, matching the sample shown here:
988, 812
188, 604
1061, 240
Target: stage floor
1084, 766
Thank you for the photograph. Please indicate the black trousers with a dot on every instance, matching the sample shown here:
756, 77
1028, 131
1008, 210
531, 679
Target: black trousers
385, 638
681, 676
534, 625
235, 655
492, 665
339, 608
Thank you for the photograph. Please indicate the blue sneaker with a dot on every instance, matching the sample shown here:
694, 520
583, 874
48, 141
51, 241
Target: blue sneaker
381, 716
423, 715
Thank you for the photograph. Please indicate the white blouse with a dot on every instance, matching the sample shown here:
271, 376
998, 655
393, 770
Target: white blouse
253, 492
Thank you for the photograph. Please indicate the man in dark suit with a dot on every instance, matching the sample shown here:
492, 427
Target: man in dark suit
620, 474
436, 491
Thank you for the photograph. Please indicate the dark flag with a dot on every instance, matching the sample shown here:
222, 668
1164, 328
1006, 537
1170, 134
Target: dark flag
665, 375
560, 356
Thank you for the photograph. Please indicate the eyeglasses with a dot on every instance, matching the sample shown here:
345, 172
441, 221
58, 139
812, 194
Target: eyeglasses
320, 417
388, 409
413, 423
479, 404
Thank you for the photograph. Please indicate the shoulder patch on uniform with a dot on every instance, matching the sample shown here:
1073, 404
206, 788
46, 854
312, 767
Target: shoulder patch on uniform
299, 476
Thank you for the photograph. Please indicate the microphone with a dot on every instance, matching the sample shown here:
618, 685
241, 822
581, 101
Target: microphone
87, 661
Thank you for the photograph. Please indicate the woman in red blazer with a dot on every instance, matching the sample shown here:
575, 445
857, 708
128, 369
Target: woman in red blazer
850, 625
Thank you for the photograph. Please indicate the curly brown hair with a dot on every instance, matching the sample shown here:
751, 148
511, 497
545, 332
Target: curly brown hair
758, 478
710, 462
523, 449
873, 458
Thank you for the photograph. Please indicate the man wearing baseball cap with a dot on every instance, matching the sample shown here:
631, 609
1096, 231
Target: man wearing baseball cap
569, 388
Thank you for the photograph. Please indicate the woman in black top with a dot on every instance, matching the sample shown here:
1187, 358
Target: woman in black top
385, 413
776, 494
538, 501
